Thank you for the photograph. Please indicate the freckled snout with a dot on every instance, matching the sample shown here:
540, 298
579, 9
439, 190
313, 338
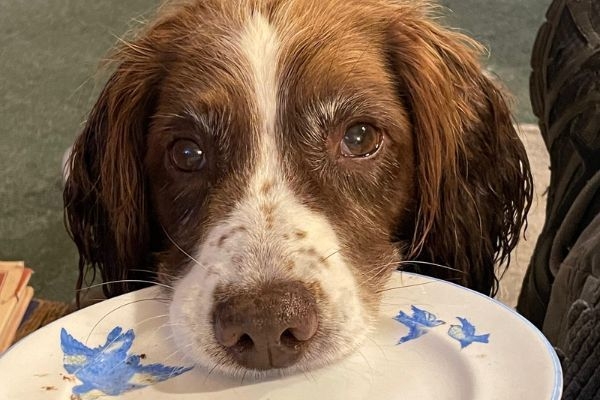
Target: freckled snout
268, 328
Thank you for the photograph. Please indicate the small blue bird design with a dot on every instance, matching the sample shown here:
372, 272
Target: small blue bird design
418, 323
108, 368
465, 333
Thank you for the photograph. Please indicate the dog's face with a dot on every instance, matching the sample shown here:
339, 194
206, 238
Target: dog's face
274, 161
278, 165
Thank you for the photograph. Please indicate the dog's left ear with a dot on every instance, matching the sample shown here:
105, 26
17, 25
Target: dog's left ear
106, 203
473, 179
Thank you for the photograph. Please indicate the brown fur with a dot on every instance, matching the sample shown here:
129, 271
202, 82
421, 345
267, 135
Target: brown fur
452, 185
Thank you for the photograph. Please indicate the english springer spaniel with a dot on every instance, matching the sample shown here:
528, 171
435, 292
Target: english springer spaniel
273, 161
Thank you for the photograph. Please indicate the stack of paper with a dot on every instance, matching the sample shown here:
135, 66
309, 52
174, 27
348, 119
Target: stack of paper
15, 296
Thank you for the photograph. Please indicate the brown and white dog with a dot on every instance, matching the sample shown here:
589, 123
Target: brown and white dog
273, 161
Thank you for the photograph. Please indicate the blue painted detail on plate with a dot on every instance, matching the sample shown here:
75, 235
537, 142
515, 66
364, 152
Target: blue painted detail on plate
418, 323
465, 333
108, 368
558, 376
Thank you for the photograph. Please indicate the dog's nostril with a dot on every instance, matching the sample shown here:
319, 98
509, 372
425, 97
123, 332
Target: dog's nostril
288, 339
227, 333
244, 343
306, 328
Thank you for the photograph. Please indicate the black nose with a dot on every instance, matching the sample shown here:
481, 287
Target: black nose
268, 328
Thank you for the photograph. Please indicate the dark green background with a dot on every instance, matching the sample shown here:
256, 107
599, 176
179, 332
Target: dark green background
49, 56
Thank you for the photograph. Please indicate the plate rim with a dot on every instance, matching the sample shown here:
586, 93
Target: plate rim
558, 374
557, 369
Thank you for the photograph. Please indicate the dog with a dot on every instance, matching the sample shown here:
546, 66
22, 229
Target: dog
272, 162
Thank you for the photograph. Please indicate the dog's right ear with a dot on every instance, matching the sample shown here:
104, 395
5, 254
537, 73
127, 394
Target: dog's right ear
104, 195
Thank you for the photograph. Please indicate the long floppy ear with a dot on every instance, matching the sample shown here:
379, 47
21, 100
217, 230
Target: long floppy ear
473, 178
105, 199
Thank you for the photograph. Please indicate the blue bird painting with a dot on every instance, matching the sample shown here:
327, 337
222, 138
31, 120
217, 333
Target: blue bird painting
418, 323
109, 368
465, 333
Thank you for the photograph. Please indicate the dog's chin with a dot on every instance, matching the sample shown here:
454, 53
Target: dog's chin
216, 360
194, 337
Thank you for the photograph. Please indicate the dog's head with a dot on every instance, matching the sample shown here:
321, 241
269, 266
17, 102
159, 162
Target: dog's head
275, 161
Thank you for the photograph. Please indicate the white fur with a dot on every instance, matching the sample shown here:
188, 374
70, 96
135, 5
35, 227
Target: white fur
258, 253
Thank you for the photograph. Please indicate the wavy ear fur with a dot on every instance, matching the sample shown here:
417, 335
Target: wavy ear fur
105, 198
474, 182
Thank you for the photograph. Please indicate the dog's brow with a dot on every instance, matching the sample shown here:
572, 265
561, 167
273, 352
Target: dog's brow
200, 119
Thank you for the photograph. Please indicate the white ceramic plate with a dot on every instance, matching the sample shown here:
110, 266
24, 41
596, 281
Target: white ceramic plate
455, 344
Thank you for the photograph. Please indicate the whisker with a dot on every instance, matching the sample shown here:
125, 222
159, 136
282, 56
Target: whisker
146, 337
376, 272
145, 320
154, 272
181, 350
332, 254
432, 264
125, 280
405, 286
118, 308
181, 249
351, 70
112, 341
217, 363
377, 345
307, 374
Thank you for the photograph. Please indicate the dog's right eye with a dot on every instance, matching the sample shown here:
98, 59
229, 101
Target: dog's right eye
361, 141
187, 155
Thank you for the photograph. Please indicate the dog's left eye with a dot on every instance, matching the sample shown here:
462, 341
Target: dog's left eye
361, 140
187, 155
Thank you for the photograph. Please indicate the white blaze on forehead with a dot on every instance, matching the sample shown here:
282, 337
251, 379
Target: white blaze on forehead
260, 46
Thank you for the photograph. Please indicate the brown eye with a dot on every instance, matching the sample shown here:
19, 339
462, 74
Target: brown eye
360, 140
187, 155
